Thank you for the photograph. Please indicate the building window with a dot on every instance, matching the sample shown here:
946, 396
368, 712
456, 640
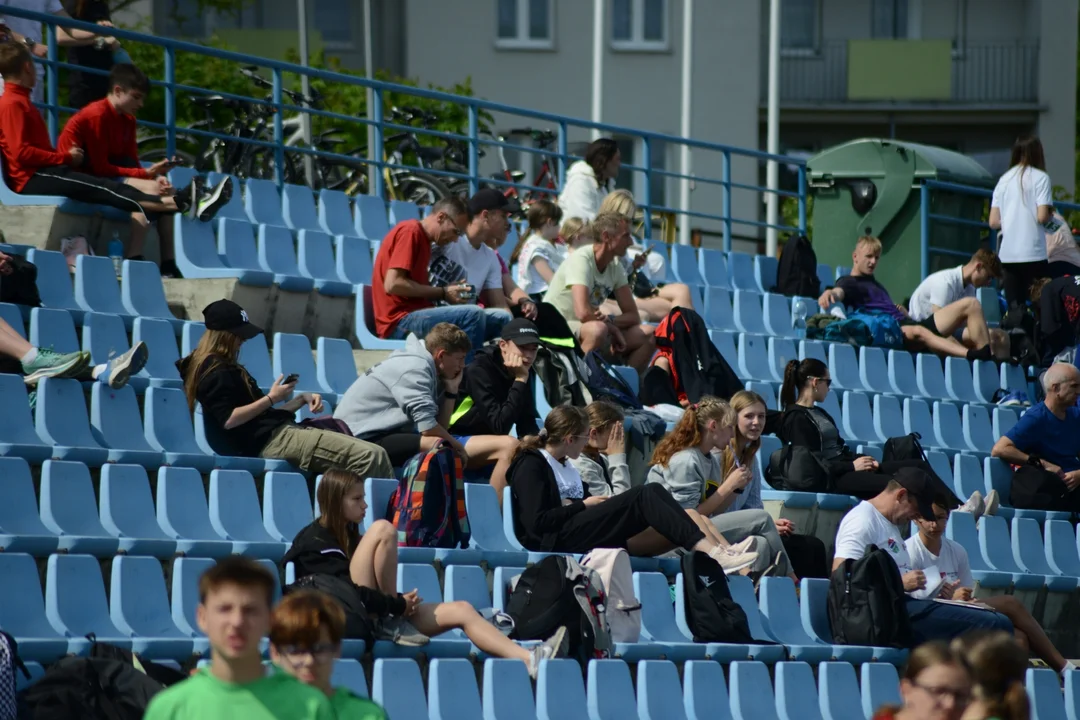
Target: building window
639, 24
527, 24
334, 21
800, 26
889, 19
183, 18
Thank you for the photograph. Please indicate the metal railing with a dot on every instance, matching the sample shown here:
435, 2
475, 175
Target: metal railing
282, 72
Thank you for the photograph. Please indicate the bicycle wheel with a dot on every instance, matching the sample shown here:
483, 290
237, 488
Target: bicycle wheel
422, 189
153, 156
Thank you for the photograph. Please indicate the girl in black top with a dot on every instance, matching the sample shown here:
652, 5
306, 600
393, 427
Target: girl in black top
333, 545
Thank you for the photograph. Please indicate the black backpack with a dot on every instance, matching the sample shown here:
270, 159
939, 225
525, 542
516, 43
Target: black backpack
89, 688
905, 447
867, 604
710, 612
798, 469
357, 620
697, 367
561, 370
796, 273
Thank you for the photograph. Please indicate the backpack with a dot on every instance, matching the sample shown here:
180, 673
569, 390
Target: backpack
555, 592
852, 331
20, 285
428, 506
884, 329
561, 370
711, 613
905, 447
796, 273
798, 469
9, 661
623, 609
867, 604
697, 367
89, 688
605, 383
358, 623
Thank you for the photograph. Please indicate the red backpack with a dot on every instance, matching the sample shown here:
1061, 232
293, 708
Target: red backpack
697, 367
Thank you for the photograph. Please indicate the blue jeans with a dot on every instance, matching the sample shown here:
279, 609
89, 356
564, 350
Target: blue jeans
940, 621
470, 318
494, 319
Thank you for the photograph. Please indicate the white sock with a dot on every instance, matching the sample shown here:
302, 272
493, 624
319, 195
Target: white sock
98, 369
30, 356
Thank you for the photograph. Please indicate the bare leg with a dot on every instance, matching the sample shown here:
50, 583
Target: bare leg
650, 543
967, 312
640, 346
1022, 621
487, 449
11, 343
593, 335
434, 619
677, 294
139, 227
654, 308
146, 185
707, 527
374, 564
919, 338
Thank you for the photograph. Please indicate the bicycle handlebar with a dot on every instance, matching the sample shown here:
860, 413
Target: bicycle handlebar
299, 98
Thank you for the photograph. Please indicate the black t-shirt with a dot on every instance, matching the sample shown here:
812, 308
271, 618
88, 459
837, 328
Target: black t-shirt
87, 87
223, 389
1059, 314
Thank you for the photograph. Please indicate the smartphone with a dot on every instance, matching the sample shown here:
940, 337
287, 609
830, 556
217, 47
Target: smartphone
290, 378
738, 491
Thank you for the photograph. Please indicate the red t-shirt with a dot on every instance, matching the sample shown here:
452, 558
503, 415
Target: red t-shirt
106, 136
406, 247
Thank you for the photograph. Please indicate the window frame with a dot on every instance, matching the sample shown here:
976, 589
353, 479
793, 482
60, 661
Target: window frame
815, 48
352, 44
522, 41
637, 41
898, 32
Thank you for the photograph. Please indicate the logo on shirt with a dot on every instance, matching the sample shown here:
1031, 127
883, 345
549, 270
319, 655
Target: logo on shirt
894, 547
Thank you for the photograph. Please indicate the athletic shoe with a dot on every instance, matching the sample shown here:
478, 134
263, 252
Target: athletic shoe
186, 198
53, 364
32, 398
555, 646
744, 546
993, 500
209, 204
732, 562
974, 505
123, 366
400, 632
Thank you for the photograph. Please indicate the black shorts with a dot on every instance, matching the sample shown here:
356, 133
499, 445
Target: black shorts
66, 182
929, 323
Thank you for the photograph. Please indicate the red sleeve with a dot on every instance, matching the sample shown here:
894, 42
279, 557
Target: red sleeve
411, 252
94, 130
14, 124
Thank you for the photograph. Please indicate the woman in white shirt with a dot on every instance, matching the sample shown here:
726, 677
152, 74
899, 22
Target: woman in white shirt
1022, 209
538, 254
589, 180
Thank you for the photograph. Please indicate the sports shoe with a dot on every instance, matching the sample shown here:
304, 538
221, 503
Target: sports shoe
730, 561
209, 203
49, 363
555, 646
993, 501
400, 632
187, 197
743, 546
123, 366
974, 505
32, 399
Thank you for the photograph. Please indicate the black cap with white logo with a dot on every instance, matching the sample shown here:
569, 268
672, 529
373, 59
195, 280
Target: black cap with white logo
229, 317
521, 332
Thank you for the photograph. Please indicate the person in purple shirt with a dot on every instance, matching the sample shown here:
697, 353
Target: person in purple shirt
862, 291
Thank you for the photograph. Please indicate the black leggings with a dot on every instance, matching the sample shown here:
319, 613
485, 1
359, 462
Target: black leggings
399, 446
613, 522
866, 484
1018, 278
62, 180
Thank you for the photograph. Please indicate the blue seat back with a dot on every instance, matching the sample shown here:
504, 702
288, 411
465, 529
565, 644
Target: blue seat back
958, 381
747, 309
967, 475
1044, 694
858, 420
53, 329
813, 349
939, 461
507, 690
902, 374
236, 242
53, 280
234, 506
825, 276
104, 336
609, 690
874, 370
336, 367
741, 271
167, 427
765, 268
255, 357
277, 251
142, 292
315, 256
402, 210
1027, 546
22, 607
838, 692
262, 202
796, 693
138, 600
705, 695
724, 341
961, 529
888, 417
814, 608
917, 419
1061, 550
1003, 420
298, 207
742, 592
423, 578
182, 510
998, 476
12, 316
353, 260
948, 426
751, 692
286, 505
684, 263
114, 418
501, 584
880, 685
292, 354
378, 492
718, 312
397, 687
161, 343
96, 287
776, 312
452, 693
712, 266
781, 352
349, 674
190, 336
560, 693
765, 390
987, 380
197, 248
18, 501
844, 367
335, 213
468, 583
16, 421
184, 598
780, 606
753, 357
929, 376
127, 508
485, 519
370, 217
75, 597
61, 414
995, 545
1013, 378
657, 617
659, 695
978, 433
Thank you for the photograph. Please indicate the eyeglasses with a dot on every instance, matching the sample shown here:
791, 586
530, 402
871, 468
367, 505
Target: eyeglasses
319, 652
826, 381
959, 697
457, 231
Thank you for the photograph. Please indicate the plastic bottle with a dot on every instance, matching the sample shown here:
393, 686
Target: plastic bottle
116, 252
799, 312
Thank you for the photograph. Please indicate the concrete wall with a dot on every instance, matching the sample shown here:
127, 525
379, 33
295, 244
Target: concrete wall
1057, 88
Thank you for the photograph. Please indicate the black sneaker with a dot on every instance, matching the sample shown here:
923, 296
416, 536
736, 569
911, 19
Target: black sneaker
210, 202
168, 269
186, 196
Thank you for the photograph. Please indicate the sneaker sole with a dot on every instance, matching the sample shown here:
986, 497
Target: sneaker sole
133, 361
737, 568
221, 195
196, 189
992, 502
70, 369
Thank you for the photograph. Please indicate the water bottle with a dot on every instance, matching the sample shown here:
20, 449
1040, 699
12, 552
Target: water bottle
800, 310
116, 253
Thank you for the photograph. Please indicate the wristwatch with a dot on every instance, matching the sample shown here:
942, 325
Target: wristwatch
29, 43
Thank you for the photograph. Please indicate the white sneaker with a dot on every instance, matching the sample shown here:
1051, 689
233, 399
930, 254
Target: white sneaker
555, 646
974, 505
993, 501
740, 547
732, 562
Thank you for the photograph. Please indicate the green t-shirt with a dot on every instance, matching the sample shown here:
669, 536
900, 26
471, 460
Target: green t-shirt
352, 707
579, 268
278, 696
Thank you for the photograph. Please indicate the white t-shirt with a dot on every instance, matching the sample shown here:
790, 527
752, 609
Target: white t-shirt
941, 288
1018, 195
31, 29
952, 562
567, 477
537, 248
864, 526
479, 266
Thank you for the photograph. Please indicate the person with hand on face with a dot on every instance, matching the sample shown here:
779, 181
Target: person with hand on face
936, 685
235, 597
602, 463
333, 545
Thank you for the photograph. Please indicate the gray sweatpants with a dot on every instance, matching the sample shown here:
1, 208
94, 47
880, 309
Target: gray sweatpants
738, 525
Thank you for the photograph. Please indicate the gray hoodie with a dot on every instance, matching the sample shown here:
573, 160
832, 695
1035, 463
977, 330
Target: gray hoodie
400, 393
595, 474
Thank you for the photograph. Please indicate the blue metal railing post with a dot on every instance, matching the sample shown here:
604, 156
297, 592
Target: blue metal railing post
52, 87
924, 221
474, 149
375, 152
279, 144
563, 152
802, 199
170, 101
726, 203
646, 193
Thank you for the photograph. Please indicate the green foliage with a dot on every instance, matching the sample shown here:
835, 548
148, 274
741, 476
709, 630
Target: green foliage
789, 213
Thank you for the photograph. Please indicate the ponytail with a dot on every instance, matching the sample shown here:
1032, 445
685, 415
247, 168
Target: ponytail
561, 422
796, 375
1013, 705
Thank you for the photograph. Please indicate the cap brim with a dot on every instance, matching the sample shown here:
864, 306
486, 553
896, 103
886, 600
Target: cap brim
512, 206
926, 508
525, 340
246, 331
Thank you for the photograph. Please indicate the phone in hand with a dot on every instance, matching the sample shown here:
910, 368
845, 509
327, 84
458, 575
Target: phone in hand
290, 379
738, 491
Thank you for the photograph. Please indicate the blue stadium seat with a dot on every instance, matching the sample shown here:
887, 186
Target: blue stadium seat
742, 592
902, 374
234, 208
718, 312
841, 271
560, 692
1072, 695
486, 525
377, 492
292, 354
370, 217
930, 377
96, 288
765, 268
958, 382
507, 691
796, 693
127, 512
365, 324
874, 451
262, 203
116, 425
61, 422
235, 515
184, 516
139, 608
844, 367
286, 505
991, 305
978, 433
753, 357
168, 429
277, 254
335, 367
1028, 550
765, 390
53, 329
967, 476
997, 551
779, 609
184, 598
724, 341
948, 428
712, 266
825, 276
814, 615
838, 692
401, 210
255, 357
987, 381
857, 419
917, 419
874, 370
813, 349
741, 270
1044, 693
190, 336
54, 282
781, 351
453, 644
609, 690
684, 263
13, 316
658, 623
315, 259
348, 673
747, 312
506, 250
396, 685
940, 462
160, 369
776, 311
888, 417
70, 510
751, 692
1060, 547
335, 213
452, 693
659, 694
467, 583
236, 244
1013, 378
181, 177
17, 435
998, 476
76, 605
21, 529
961, 529
197, 251
705, 694
143, 293
352, 260
500, 583
880, 685
1003, 420
298, 207
22, 612
105, 337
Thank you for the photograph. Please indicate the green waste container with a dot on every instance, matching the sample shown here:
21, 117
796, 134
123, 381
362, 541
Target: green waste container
873, 187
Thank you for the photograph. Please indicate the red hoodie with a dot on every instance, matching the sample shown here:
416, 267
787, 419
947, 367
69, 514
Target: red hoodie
24, 139
104, 134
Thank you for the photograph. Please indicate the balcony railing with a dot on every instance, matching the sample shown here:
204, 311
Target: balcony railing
992, 72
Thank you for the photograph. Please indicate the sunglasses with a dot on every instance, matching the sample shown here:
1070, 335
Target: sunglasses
826, 381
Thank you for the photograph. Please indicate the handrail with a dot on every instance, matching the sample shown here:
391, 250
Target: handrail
561, 125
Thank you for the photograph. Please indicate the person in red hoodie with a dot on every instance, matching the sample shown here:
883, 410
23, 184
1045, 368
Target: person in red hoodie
33, 167
106, 129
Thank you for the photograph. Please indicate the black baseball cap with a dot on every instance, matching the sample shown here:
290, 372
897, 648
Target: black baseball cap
521, 332
228, 316
492, 199
920, 485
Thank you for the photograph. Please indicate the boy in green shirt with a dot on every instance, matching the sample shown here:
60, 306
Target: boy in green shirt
235, 597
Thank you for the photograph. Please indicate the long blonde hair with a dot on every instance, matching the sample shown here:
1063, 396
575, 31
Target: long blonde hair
621, 202
688, 431
215, 348
739, 402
